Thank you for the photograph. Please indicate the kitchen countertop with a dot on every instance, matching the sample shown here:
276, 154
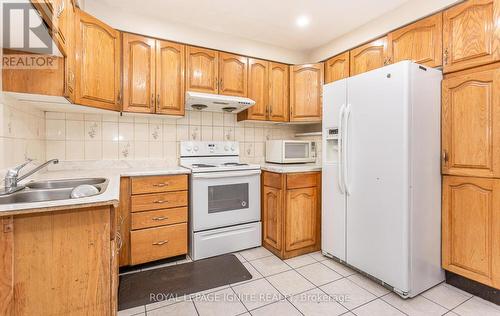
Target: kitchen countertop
290, 168
70, 170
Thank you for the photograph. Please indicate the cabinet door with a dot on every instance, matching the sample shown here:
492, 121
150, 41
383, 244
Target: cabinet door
301, 218
202, 70
337, 68
471, 122
471, 34
258, 89
138, 73
272, 217
170, 84
306, 89
97, 63
471, 228
278, 92
369, 56
233, 74
420, 42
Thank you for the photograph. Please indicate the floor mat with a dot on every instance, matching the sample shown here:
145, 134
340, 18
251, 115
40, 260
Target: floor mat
154, 285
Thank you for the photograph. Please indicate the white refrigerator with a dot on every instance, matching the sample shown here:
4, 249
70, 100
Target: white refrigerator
381, 188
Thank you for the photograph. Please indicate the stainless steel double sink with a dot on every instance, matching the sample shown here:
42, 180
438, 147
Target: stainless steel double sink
51, 190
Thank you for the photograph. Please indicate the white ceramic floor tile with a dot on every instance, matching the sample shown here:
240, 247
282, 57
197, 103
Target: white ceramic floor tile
318, 256
132, 311
377, 308
255, 253
338, 267
446, 295
240, 257
319, 274
269, 265
316, 303
255, 274
223, 302
477, 306
300, 261
257, 293
417, 306
166, 302
185, 308
348, 293
277, 309
201, 293
290, 283
368, 284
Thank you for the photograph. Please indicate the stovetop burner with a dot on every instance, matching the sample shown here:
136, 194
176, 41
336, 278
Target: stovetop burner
202, 165
229, 164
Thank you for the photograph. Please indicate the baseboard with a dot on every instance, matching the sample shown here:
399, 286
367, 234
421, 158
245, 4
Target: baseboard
483, 291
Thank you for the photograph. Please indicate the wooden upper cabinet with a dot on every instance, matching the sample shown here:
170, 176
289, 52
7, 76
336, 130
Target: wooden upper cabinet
278, 92
170, 83
272, 214
471, 122
138, 73
258, 89
306, 89
471, 228
420, 42
471, 34
202, 70
97, 63
370, 56
337, 67
301, 222
233, 74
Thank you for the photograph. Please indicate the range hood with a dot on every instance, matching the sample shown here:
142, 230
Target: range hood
216, 102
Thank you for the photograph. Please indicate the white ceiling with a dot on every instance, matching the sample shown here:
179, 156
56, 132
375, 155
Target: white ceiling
267, 21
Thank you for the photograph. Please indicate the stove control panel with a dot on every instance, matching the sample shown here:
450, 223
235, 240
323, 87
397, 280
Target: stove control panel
208, 148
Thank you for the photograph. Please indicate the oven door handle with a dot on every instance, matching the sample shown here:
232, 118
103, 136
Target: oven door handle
224, 174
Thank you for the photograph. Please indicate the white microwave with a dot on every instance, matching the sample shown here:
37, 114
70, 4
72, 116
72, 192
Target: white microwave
290, 151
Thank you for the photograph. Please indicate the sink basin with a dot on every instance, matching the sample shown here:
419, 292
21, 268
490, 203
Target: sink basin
29, 196
66, 183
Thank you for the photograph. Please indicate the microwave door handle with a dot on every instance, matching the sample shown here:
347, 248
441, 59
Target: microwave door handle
346, 150
340, 142
223, 174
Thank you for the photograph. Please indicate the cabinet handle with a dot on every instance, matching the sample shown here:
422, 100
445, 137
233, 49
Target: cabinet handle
445, 156
160, 184
221, 84
160, 201
160, 218
152, 100
216, 84
445, 55
160, 243
119, 97
158, 100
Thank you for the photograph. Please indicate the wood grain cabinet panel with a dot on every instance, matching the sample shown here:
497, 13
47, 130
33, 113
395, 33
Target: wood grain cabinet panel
337, 68
369, 56
471, 228
145, 202
420, 42
233, 74
156, 184
471, 34
272, 214
150, 219
202, 70
170, 81
138, 73
301, 218
471, 122
97, 63
306, 92
278, 92
258, 90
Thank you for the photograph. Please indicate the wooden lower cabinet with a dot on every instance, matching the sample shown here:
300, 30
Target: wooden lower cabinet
60, 262
471, 228
291, 217
154, 216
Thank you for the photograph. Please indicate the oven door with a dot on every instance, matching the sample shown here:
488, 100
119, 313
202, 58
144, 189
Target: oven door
225, 198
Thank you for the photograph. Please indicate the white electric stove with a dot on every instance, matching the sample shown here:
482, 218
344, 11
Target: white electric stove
224, 201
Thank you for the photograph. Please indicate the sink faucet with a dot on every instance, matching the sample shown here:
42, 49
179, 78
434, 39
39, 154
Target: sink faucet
12, 176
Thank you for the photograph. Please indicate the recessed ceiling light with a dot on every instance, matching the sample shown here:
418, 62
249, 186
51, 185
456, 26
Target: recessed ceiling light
302, 21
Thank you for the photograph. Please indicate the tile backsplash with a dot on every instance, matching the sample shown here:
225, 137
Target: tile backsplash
78, 136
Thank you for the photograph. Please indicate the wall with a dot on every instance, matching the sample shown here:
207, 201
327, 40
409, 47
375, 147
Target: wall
22, 134
404, 14
76, 136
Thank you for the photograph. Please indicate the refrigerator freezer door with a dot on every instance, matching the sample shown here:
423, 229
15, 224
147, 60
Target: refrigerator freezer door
377, 175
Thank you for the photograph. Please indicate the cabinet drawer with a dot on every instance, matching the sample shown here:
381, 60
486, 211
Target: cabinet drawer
158, 201
158, 218
302, 180
272, 179
157, 184
158, 243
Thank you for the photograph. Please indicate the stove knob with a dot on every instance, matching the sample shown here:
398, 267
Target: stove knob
233, 148
188, 148
226, 148
196, 148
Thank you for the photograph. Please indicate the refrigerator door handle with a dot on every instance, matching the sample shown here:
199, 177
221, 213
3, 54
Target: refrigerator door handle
340, 151
345, 150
